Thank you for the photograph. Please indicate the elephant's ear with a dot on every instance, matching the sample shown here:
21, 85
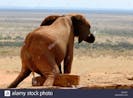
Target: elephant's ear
49, 20
81, 27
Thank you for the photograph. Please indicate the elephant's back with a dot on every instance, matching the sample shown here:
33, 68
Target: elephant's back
38, 44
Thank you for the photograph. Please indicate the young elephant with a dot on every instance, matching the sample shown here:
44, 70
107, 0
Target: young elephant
46, 47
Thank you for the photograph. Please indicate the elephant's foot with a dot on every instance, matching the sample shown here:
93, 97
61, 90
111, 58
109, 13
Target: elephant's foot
49, 82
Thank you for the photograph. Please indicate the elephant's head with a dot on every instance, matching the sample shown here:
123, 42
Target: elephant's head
81, 26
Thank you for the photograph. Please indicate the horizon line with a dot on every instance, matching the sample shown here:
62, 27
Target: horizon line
97, 9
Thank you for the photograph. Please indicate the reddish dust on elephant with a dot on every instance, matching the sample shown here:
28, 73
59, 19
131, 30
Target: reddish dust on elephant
46, 47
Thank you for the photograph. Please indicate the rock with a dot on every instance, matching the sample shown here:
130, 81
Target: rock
62, 80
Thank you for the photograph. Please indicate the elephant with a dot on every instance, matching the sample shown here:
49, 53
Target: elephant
47, 46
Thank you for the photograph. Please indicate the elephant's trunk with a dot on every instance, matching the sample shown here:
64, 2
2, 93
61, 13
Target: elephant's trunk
90, 38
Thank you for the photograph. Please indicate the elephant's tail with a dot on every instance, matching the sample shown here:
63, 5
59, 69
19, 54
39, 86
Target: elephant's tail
33, 73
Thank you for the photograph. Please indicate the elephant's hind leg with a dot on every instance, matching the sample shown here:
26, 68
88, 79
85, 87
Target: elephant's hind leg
49, 69
23, 74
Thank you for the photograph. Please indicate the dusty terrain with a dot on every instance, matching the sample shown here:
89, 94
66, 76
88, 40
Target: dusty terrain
98, 71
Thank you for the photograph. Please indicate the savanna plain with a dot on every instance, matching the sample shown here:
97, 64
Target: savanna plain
108, 62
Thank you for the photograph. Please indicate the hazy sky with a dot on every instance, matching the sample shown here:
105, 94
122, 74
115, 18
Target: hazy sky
69, 4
